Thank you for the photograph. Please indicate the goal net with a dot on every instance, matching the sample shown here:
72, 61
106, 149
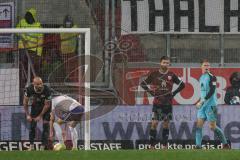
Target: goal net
66, 73
9, 86
128, 39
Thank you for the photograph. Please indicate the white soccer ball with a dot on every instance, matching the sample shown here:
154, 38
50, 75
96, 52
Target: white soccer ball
59, 147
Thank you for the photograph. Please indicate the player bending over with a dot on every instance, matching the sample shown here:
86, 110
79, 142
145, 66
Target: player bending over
39, 95
65, 110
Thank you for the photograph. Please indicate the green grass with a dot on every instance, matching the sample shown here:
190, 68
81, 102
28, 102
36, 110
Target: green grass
123, 155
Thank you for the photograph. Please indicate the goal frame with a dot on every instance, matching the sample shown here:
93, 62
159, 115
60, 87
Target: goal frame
86, 31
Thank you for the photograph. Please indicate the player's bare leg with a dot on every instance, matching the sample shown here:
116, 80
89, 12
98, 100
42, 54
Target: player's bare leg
74, 134
200, 123
58, 131
59, 135
153, 133
218, 131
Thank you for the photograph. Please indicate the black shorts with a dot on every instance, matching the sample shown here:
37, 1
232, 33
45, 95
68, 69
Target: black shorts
36, 110
162, 112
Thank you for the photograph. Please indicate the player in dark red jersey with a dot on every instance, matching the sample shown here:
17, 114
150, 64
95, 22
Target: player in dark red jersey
40, 96
160, 86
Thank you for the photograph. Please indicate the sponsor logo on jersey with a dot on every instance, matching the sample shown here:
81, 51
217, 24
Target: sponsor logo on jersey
164, 84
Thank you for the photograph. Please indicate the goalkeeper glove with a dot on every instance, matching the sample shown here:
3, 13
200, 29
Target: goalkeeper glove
200, 103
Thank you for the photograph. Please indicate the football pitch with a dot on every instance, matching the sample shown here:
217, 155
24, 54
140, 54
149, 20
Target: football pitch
123, 155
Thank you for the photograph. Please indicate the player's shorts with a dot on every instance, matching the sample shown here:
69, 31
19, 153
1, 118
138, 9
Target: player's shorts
162, 112
74, 114
208, 113
36, 110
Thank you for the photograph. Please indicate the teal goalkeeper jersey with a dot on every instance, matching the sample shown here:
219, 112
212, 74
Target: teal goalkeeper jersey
207, 81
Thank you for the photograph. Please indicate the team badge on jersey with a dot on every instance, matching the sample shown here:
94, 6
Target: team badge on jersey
164, 84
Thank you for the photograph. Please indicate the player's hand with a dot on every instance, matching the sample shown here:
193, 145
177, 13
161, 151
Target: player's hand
29, 118
199, 104
38, 118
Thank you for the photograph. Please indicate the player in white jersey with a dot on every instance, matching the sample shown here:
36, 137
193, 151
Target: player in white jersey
65, 110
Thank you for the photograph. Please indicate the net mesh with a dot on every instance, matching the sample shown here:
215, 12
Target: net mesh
9, 86
60, 70
119, 61
9, 73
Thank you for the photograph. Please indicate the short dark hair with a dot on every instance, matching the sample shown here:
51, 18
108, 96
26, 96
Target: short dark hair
204, 60
164, 58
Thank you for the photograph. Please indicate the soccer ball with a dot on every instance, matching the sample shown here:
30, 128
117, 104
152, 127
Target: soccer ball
59, 147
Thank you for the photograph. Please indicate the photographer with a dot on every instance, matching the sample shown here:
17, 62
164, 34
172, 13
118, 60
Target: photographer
233, 92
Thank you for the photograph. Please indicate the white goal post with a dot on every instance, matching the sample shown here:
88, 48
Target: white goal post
85, 31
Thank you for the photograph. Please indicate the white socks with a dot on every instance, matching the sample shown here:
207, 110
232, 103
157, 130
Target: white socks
74, 136
58, 131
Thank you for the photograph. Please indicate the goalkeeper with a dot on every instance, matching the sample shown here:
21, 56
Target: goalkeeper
65, 110
207, 106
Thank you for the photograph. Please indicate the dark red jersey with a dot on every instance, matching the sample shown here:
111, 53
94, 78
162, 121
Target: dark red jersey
162, 84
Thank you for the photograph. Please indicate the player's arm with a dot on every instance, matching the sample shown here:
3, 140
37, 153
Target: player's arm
25, 104
51, 125
46, 107
144, 84
212, 86
46, 104
180, 83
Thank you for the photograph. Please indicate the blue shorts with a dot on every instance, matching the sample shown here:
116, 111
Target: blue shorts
208, 113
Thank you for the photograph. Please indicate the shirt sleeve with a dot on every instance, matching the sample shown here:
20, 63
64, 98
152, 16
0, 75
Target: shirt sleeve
27, 92
149, 79
176, 79
180, 84
212, 86
48, 93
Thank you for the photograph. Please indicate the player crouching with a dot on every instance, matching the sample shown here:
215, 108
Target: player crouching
65, 110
